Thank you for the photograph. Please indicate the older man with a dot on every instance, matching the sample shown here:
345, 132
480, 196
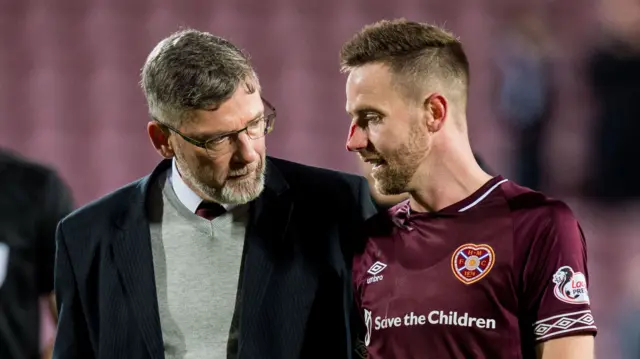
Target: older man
222, 251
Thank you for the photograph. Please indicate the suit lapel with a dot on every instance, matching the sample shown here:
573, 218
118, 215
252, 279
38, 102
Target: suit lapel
265, 241
134, 259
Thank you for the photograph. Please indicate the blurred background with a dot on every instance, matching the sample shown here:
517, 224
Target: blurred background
554, 101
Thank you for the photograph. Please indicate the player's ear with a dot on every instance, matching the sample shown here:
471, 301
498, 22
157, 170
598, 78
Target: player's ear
435, 108
159, 136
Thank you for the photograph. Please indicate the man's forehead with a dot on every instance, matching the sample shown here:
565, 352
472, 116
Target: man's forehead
370, 78
241, 104
363, 103
234, 112
367, 87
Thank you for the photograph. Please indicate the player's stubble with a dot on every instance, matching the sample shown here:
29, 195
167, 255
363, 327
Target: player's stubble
401, 164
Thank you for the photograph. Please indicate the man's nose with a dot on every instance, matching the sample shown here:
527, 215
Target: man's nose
245, 152
357, 139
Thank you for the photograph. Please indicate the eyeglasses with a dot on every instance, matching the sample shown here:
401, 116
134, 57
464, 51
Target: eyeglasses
221, 144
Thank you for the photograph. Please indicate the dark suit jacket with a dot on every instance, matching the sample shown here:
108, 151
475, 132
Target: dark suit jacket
296, 280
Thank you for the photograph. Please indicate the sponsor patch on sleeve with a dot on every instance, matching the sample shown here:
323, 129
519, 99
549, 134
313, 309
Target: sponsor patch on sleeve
570, 287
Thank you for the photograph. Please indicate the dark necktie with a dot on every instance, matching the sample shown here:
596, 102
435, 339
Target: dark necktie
210, 210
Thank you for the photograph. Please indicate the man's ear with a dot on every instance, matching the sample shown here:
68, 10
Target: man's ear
435, 107
159, 137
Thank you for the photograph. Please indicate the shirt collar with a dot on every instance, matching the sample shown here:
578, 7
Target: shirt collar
186, 195
402, 212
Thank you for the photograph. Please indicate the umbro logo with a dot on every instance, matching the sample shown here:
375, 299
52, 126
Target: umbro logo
375, 269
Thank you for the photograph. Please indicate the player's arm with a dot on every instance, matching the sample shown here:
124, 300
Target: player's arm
555, 277
573, 347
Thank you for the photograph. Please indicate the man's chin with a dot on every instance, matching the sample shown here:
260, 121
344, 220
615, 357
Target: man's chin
390, 191
242, 191
389, 188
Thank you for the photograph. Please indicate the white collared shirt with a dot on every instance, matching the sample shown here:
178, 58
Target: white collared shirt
186, 195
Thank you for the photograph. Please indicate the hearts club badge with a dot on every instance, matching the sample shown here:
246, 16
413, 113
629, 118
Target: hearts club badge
472, 262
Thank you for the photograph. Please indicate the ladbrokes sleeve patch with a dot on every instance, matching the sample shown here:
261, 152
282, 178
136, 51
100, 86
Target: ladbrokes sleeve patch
570, 287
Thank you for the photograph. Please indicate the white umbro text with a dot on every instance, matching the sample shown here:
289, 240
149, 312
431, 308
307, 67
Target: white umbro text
374, 270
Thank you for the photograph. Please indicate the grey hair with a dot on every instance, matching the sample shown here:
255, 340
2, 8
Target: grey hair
193, 70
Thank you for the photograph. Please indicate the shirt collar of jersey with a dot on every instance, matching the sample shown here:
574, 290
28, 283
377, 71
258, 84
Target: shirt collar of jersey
186, 195
402, 211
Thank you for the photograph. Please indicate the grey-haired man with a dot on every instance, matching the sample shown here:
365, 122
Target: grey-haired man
222, 251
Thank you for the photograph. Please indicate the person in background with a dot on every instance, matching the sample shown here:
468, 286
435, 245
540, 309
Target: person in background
613, 69
33, 200
526, 93
628, 313
222, 251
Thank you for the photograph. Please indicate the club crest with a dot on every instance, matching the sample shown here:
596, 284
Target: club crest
471, 262
570, 287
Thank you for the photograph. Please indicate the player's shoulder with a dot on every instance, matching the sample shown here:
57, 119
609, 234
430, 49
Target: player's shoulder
530, 205
379, 230
541, 221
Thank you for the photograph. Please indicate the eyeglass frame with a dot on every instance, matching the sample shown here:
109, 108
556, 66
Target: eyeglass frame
269, 119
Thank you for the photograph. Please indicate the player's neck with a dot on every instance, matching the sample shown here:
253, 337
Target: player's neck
448, 178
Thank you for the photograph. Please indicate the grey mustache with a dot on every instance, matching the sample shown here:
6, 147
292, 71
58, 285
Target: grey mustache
241, 172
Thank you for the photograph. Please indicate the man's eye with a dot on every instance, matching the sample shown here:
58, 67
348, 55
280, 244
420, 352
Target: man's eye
373, 118
217, 140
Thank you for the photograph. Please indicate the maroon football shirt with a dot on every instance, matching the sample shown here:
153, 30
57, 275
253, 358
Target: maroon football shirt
488, 277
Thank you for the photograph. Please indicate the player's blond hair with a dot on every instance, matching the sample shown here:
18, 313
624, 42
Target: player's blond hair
418, 54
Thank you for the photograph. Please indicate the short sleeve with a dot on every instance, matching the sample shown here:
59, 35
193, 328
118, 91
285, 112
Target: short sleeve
555, 278
56, 204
